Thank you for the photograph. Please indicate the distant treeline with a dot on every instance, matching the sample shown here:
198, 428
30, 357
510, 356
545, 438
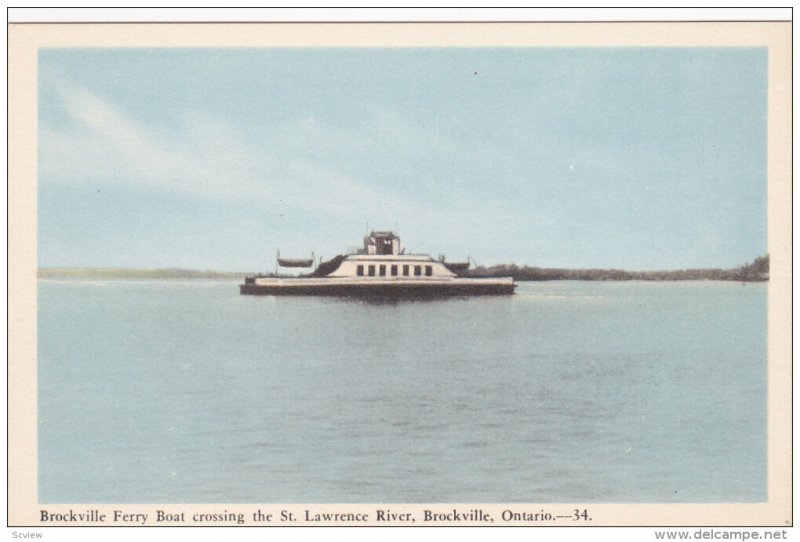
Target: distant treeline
756, 271
122, 273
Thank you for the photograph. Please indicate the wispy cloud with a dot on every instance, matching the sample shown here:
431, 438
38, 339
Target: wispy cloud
294, 164
103, 143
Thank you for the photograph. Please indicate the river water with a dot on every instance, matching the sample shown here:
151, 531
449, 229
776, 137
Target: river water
185, 391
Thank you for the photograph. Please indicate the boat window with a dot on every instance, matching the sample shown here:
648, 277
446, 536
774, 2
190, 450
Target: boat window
382, 270
428, 270
360, 270
394, 270
371, 270
417, 270
405, 270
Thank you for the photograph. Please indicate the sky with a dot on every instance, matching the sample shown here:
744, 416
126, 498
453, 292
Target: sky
627, 158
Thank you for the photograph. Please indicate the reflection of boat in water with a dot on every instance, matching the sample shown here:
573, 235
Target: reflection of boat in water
380, 269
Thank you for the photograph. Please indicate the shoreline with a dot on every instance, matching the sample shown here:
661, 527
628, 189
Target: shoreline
756, 271
61, 273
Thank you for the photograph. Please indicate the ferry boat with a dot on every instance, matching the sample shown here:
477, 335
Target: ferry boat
381, 269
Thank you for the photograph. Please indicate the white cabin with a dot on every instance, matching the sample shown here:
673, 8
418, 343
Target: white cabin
383, 259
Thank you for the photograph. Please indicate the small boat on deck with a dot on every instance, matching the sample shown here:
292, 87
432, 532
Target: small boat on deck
457, 267
295, 262
381, 269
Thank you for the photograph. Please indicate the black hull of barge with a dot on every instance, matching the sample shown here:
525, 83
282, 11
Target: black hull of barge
392, 291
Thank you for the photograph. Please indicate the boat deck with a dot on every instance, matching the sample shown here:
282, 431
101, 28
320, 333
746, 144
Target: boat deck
372, 287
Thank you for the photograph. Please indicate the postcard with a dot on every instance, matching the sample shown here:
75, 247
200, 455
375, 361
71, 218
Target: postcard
423, 274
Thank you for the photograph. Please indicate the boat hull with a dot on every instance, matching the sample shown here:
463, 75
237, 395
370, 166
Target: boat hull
420, 289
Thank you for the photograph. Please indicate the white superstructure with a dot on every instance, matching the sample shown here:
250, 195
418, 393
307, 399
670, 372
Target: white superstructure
382, 258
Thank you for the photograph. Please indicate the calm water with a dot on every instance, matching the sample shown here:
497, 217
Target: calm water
610, 392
